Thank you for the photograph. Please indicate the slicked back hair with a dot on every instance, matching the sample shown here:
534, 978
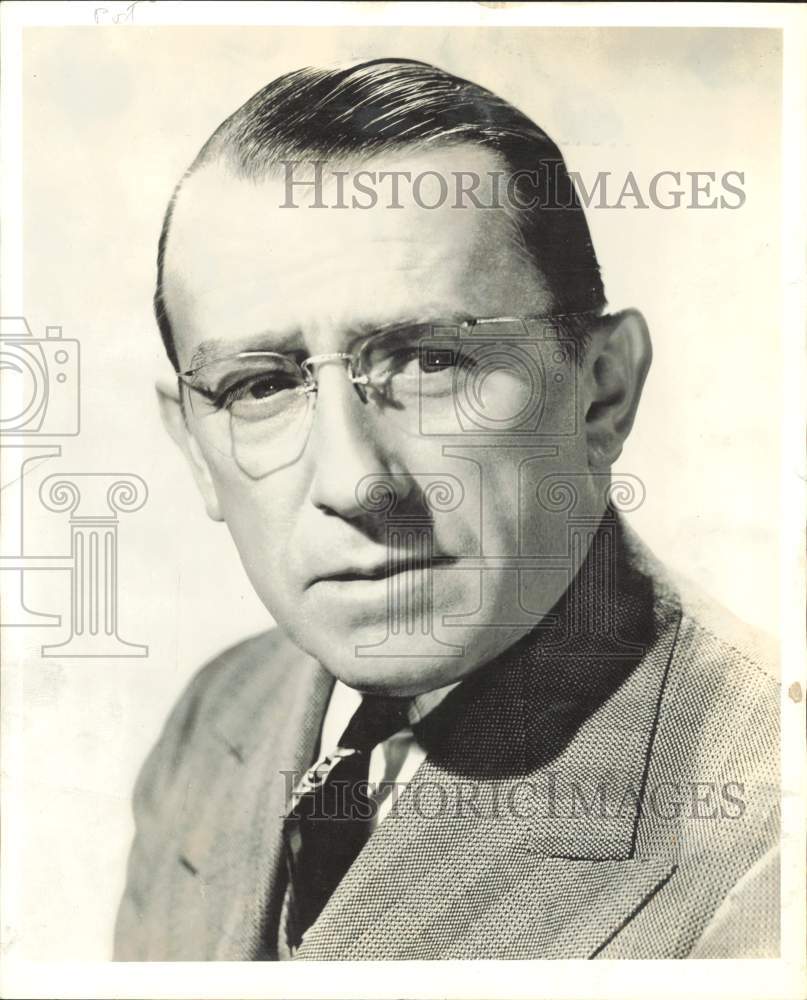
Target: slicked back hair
389, 105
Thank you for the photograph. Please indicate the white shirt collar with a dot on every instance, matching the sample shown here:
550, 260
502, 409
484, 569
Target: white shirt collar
345, 700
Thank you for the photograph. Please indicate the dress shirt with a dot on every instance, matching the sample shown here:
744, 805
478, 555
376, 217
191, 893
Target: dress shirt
393, 762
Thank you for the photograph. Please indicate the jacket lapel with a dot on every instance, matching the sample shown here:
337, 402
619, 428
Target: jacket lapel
516, 837
236, 854
484, 907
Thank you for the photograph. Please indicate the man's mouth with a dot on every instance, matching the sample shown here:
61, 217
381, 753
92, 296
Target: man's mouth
384, 571
369, 574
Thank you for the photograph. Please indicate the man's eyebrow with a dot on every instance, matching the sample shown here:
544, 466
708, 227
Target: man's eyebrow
272, 341
441, 317
266, 340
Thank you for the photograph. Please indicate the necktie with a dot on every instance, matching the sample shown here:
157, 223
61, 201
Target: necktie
329, 821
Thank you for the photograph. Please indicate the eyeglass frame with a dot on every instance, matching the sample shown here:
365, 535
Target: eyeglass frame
361, 380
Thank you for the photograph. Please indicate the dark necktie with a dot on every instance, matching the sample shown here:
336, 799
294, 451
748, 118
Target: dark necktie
331, 814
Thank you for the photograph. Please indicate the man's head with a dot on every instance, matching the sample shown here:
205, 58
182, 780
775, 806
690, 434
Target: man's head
241, 269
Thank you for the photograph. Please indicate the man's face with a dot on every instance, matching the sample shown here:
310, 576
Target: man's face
242, 272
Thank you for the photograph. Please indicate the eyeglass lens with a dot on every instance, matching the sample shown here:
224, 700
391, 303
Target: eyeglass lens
431, 380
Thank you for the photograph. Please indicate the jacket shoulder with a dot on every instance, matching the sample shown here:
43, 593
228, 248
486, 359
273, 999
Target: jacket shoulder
221, 705
709, 623
249, 671
719, 707
219, 702
709, 636
718, 723
722, 707
725, 662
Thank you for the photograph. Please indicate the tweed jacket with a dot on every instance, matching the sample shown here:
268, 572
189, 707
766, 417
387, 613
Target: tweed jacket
605, 790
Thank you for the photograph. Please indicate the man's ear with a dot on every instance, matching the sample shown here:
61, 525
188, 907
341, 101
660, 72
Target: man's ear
173, 418
617, 362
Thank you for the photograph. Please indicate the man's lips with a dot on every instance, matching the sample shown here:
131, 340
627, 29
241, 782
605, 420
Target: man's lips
377, 571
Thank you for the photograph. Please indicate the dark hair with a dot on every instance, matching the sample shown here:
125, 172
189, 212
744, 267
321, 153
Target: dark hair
394, 104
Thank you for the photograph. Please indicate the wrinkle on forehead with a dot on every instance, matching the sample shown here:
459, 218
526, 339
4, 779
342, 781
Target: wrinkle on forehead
237, 262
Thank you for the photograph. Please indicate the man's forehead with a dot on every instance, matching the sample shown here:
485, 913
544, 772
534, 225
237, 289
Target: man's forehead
240, 258
282, 215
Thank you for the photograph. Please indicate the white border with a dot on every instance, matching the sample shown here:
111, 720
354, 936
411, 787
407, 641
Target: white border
310, 13
783, 978
793, 477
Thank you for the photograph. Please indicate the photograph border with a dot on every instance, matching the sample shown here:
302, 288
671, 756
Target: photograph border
783, 977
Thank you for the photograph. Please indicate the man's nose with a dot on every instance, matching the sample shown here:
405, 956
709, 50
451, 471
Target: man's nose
346, 444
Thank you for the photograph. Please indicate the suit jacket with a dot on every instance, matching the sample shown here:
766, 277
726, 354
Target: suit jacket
607, 788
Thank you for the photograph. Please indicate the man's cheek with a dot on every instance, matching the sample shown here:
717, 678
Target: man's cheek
262, 533
457, 535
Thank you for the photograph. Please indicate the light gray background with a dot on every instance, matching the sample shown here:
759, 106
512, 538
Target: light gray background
112, 117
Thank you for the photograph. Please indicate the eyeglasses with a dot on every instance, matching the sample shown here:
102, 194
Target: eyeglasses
481, 376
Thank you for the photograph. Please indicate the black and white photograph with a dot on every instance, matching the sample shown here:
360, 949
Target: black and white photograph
403, 500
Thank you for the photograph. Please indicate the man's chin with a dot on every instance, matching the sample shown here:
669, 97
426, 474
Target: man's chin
395, 665
367, 650
371, 657
394, 676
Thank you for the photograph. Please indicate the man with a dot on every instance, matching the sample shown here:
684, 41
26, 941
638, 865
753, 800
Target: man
488, 724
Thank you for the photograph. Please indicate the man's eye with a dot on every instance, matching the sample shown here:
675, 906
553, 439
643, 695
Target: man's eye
416, 361
425, 364
434, 360
257, 388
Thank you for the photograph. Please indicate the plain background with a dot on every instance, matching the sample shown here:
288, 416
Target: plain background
112, 117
